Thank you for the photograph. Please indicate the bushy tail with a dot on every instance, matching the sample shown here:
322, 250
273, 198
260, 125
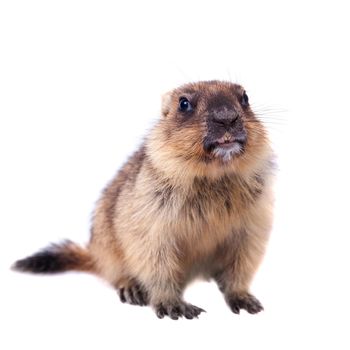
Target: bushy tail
57, 258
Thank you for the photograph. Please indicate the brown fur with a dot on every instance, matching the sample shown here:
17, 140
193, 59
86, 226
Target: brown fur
174, 211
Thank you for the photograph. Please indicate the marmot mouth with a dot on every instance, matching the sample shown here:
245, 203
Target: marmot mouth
233, 145
227, 144
228, 150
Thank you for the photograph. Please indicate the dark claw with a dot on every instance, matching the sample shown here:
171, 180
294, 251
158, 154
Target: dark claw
131, 298
235, 308
141, 296
198, 310
189, 314
160, 311
174, 313
122, 295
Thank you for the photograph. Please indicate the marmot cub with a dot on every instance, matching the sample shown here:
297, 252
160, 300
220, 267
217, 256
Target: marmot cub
194, 200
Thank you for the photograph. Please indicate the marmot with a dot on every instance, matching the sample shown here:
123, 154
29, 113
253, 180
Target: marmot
194, 200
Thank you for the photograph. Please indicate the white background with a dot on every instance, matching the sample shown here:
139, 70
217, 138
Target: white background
80, 84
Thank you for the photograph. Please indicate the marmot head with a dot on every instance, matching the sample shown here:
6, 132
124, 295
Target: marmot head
209, 128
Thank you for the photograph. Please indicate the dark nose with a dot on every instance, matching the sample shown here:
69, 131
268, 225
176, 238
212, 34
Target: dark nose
224, 117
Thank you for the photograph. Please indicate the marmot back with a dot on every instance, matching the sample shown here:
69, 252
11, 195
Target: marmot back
194, 200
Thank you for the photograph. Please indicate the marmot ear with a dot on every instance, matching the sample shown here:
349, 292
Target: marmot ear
166, 103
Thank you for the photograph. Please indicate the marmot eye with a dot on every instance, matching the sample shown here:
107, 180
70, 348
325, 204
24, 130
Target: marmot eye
244, 100
185, 105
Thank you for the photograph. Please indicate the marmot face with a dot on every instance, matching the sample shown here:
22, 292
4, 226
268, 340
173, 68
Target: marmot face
211, 123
